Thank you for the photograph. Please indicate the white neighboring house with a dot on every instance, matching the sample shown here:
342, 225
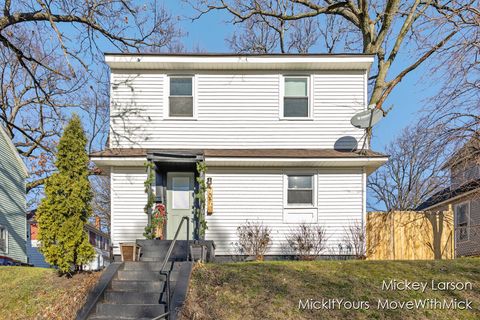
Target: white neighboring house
273, 130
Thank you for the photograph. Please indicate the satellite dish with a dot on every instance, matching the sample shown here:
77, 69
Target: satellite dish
367, 118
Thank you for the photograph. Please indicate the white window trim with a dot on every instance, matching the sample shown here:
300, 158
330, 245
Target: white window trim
166, 100
468, 219
6, 239
285, 189
309, 94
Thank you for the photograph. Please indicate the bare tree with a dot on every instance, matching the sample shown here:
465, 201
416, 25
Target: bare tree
50, 54
255, 36
304, 35
456, 106
414, 172
386, 29
101, 200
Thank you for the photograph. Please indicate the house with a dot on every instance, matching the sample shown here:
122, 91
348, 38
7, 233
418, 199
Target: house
97, 238
463, 196
13, 173
273, 130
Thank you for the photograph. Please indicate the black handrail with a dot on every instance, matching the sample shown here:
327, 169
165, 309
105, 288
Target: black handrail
166, 273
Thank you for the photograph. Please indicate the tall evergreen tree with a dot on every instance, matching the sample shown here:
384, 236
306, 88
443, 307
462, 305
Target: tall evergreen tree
65, 210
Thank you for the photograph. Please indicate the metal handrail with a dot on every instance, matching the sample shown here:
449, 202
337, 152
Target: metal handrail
166, 273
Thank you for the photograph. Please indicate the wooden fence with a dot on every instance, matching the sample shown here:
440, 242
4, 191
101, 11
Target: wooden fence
410, 235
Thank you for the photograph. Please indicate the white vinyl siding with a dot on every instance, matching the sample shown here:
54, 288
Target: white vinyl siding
128, 219
234, 111
257, 195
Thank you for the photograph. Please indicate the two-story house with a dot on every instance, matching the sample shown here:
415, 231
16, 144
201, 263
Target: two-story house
13, 222
273, 130
463, 196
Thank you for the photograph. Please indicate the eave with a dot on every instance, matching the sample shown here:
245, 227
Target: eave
298, 62
370, 164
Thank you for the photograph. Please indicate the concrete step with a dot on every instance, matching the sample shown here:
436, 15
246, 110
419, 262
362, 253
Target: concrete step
138, 275
122, 311
140, 286
159, 260
131, 297
146, 265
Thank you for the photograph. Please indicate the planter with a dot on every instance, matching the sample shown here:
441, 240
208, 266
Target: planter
130, 251
198, 252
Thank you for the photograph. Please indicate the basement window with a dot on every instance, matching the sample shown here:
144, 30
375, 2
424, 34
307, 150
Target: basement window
462, 217
181, 97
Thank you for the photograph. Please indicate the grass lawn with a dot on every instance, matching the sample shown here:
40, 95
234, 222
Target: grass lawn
38, 293
272, 290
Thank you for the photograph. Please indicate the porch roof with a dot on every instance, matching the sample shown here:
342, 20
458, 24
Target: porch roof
240, 153
371, 160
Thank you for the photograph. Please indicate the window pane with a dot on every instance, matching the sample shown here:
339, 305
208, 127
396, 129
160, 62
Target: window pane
296, 87
462, 233
181, 86
462, 214
295, 107
299, 182
300, 197
181, 107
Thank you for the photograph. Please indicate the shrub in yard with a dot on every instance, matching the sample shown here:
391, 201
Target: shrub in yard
355, 240
64, 211
307, 241
253, 239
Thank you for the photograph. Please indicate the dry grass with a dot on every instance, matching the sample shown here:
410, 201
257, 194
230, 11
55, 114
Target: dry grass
38, 293
271, 290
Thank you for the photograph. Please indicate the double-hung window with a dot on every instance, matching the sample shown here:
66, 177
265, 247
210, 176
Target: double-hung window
3, 239
300, 190
296, 102
181, 97
462, 214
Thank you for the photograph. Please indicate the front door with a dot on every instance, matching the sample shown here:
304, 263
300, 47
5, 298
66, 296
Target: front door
179, 203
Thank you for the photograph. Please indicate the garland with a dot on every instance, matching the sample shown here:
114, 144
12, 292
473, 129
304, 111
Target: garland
152, 224
200, 199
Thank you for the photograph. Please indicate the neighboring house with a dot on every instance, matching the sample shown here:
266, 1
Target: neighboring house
463, 196
98, 239
273, 130
13, 173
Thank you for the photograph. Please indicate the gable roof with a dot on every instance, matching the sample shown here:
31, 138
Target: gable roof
468, 151
14, 151
225, 61
449, 194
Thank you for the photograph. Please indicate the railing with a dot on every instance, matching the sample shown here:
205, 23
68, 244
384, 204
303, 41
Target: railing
166, 273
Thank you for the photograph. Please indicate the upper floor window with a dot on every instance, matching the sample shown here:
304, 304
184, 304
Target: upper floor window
462, 214
296, 97
181, 96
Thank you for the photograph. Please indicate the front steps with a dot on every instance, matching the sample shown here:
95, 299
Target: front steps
138, 291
